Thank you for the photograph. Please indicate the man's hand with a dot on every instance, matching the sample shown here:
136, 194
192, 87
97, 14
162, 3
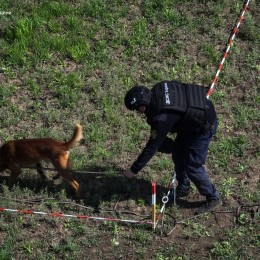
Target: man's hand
128, 174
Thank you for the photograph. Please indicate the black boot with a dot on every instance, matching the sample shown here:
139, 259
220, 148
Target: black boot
182, 191
208, 206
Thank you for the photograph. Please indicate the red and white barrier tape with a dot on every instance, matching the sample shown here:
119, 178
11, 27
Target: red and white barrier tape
228, 48
56, 214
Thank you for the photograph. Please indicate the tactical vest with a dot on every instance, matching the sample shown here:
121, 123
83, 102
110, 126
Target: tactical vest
186, 98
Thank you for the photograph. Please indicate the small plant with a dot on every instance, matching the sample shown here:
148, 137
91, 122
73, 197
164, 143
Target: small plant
141, 202
223, 250
139, 35
209, 51
229, 148
249, 31
243, 115
6, 91
142, 236
68, 224
73, 22
228, 184
244, 219
115, 239
196, 229
34, 87
79, 229
79, 50
171, 252
6, 248
67, 88
28, 248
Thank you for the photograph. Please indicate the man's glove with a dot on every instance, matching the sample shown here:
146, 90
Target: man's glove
128, 174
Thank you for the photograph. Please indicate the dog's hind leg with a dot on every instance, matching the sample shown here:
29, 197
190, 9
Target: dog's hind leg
74, 184
63, 166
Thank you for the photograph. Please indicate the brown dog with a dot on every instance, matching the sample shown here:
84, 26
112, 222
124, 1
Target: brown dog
18, 154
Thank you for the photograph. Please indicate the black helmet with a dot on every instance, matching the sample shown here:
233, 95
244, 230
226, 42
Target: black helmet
137, 96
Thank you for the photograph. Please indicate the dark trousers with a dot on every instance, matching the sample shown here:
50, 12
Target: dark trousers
189, 153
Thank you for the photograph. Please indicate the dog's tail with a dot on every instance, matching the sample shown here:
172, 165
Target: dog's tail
77, 136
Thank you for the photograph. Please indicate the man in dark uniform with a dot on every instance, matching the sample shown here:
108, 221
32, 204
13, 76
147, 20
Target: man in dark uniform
174, 107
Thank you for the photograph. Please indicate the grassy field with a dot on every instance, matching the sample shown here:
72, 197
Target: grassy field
67, 62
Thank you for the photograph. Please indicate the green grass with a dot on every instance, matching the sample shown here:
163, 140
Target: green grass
67, 62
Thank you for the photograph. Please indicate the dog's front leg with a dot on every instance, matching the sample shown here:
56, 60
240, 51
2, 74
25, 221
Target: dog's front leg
15, 172
40, 171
